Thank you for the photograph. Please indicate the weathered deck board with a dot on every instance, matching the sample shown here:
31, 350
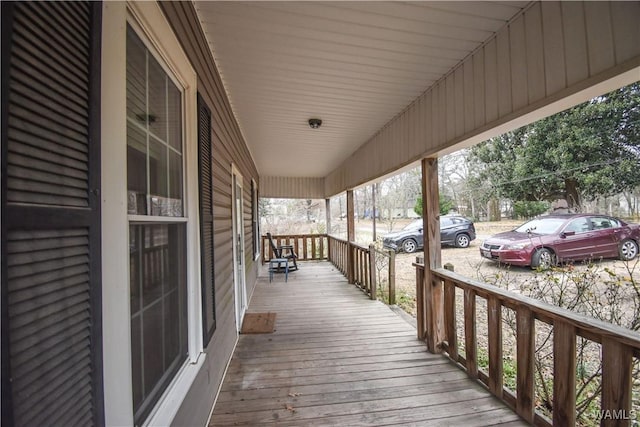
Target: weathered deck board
337, 358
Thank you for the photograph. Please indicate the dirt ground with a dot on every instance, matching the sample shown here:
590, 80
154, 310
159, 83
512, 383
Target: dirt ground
468, 262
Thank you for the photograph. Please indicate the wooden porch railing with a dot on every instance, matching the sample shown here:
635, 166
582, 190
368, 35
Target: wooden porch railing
354, 261
619, 347
391, 271
308, 247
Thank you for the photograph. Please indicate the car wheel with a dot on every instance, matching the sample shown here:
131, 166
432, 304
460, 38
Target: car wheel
543, 258
462, 241
628, 250
409, 246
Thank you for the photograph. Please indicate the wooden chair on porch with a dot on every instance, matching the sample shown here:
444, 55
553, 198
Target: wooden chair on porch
284, 252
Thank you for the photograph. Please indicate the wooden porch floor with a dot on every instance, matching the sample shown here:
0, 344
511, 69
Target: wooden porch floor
338, 358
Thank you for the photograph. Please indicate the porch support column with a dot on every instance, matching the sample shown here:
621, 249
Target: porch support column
373, 210
351, 237
327, 205
434, 302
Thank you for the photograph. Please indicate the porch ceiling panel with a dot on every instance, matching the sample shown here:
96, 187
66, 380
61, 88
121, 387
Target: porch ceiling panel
355, 65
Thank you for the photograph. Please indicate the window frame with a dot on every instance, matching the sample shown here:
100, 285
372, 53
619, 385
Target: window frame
149, 22
149, 219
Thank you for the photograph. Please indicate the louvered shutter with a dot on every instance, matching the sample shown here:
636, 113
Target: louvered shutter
206, 220
51, 320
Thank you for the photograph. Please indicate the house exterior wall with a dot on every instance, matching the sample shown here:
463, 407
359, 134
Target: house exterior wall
551, 57
65, 213
228, 148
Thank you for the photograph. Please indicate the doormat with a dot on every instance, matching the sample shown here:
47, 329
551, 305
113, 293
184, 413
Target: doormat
258, 323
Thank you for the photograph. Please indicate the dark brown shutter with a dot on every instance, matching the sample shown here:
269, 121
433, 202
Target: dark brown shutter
51, 292
206, 220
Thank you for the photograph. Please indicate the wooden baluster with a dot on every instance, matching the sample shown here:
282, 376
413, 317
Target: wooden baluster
322, 246
494, 319
356, 257
470, 342
616, 383
525, 341
420, 299
355, 252
365, 270
304, 249
314, 255
367, 276
564, 373
363, 267
450, 319
372, 272
392, 277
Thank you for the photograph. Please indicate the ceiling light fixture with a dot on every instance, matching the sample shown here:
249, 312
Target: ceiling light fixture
315, 123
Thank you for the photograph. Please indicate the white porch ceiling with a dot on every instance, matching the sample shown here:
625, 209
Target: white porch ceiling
355, 65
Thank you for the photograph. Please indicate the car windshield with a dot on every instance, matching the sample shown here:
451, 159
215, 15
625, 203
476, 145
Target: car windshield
415, 225
541, 226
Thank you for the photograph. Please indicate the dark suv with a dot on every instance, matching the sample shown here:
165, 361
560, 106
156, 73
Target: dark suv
454, 230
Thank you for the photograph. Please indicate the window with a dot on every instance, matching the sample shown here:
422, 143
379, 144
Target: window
578, 225
157, 226
601, 223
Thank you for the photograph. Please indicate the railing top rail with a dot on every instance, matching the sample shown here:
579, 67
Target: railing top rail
382, 252
338, 239
580, 321
283, 236
346, 242
360, 247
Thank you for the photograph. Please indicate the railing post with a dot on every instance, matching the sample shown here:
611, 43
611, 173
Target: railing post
564, 373
372, 271
525, 348
327, 214
616, 383
392, 277
433, 301
351, 237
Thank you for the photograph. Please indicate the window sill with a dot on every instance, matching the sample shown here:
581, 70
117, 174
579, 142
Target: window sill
170, 402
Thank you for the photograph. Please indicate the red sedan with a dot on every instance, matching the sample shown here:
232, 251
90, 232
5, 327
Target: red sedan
550, 239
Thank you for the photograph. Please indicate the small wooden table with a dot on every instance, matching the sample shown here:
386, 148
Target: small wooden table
274, 265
